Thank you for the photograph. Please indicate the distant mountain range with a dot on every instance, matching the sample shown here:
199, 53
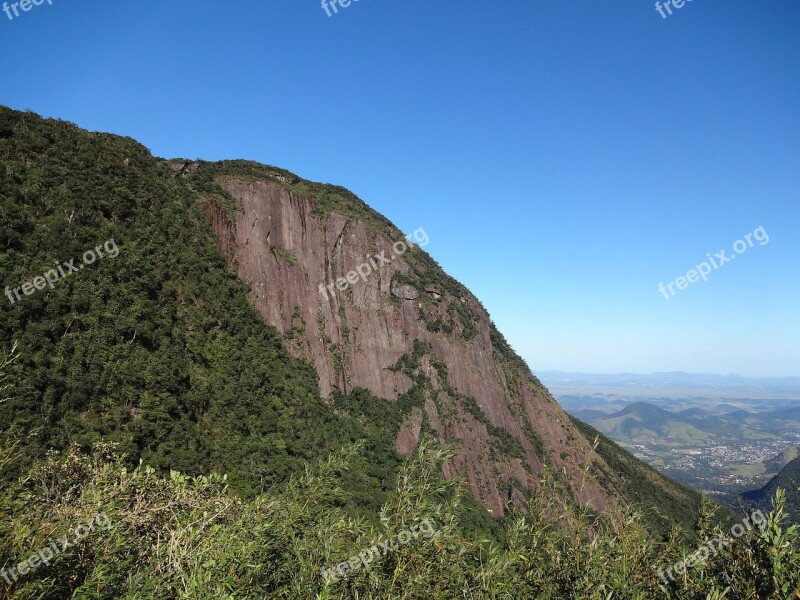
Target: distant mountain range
645, 423
674, 384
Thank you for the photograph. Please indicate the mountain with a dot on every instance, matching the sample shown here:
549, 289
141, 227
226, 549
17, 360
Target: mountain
647, 424
677, 379
238, 329
693, 413
780, 460
588, 414
642, 422
721, 454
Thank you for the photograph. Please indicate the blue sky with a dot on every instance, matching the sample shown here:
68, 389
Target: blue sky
564, 157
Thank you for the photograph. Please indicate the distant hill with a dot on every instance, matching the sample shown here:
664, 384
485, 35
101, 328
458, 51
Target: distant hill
588, 414
693, 413
644, 423
661, 499
768, 422
647, 424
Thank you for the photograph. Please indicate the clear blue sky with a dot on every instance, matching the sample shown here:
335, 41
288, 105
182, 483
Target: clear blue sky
564, 157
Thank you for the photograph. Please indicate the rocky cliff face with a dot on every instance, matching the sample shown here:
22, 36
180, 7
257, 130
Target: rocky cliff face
402, 322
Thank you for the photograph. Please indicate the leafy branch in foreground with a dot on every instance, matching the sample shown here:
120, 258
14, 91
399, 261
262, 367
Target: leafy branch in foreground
189, 537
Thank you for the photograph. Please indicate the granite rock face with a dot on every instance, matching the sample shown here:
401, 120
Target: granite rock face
296, 258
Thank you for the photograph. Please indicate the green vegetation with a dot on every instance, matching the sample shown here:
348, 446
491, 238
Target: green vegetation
184, 537
661, 501
158, 349
503, 442
787, 480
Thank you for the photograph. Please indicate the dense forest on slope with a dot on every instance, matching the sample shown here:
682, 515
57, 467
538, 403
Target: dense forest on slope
156, 349
788, 479
135, 534
662, 501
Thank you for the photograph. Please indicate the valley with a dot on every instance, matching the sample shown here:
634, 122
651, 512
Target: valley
719, 435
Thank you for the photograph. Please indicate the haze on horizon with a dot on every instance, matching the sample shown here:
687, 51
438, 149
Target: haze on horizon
657, 373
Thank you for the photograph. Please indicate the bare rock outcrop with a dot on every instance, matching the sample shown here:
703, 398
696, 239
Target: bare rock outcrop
296, 257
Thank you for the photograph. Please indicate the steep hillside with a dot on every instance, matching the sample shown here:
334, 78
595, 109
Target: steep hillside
778, 462
156, 346
670, 504
789, 480
406, 331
